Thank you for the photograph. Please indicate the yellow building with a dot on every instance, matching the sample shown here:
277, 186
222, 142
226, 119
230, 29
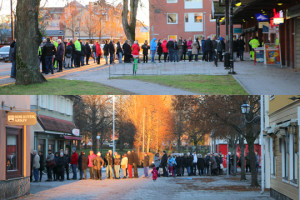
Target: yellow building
282, 147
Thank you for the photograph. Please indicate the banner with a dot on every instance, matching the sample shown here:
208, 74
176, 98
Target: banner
259, 55
273, 56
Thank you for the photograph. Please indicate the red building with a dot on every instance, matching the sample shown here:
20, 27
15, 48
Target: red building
182, 18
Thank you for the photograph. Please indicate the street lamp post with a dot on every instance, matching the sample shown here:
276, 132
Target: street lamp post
114, 146
98, 142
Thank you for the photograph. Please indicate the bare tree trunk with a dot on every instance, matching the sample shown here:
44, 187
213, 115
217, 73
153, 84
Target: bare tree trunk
129, 28
28, 41
242, 159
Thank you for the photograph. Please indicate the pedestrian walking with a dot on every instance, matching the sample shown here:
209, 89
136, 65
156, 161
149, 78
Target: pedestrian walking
119, 52
235, 48
98, 52
221, 48
153, 47
12, 58
88, 52
241, 44
74, 163
59, 56
124, 165
98, 163
145, 48
165, 49
117, 163
146, 161
36, 166
82, 165
90, 164
42, 164
159, 50
106, 52
67, 164
50, 163
130, 163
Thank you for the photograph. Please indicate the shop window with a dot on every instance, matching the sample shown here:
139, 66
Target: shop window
193, 4
285, 157
13, 153
172, 18
193, 22
173, 37
172, 1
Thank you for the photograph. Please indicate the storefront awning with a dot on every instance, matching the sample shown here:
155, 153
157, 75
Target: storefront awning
55, 124
72, 138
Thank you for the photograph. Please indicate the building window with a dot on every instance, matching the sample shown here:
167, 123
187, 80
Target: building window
193, 4
293, 158
211, 19
272, 156
13, 153
173, 37
62, 105
172, 1
285, 157
172, 18
193, 22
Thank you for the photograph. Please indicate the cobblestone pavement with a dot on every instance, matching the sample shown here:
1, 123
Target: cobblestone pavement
193, 187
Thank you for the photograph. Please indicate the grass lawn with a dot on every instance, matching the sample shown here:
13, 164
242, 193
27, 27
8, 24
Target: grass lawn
203, 84
61, 87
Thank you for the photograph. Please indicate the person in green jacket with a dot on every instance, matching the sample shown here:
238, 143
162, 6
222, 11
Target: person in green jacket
77, 52
56, 45
254, 43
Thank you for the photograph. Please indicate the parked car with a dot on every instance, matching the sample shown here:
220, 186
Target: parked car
4, 53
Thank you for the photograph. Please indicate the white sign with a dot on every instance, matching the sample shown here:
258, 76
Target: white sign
278, 20
98, 137
76, 132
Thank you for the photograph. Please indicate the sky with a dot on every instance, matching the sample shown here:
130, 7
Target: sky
143, 12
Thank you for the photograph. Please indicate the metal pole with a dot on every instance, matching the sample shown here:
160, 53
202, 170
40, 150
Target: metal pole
144, 131
204, 25
12, 20
262, 107
227, 24
227, 176
299, 146
114, 147
231, 39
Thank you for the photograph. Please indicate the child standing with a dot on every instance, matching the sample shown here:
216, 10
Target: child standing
154, 174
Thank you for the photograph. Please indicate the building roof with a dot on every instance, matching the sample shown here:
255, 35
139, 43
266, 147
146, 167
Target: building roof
56, 125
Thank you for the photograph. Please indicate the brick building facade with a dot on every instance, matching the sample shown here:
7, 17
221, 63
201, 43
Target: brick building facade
182, 18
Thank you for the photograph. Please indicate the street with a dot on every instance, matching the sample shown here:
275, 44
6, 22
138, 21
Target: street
193, 187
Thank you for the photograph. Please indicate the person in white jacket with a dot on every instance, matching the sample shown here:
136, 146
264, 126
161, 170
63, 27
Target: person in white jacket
36, 166
124, 165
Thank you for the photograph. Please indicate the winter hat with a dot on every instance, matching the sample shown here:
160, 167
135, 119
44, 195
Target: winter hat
74, 149
221, 38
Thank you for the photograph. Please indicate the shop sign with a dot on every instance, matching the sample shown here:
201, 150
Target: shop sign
21, 118
273, 56
260, 17
76, 132
278, 21
237, 30
259, 55
261, 24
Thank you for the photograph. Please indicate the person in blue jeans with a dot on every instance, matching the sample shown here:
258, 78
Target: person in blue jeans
12, 58
74, 163
111, 50
119, 52
36, 166
94, 52
153, 47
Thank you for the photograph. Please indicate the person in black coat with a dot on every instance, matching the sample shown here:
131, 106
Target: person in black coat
111, 49
170, 46
67, 162
48, 50
200, 165
42, 164
60, 165
31, 166
190, 164
73, 54
241, 44
209, 49
119, 52
184, 50
88, 52
164, 162
159, 50
83, 53
106, 51
235, 48
59, 56
145, 48
179, 165
127, 52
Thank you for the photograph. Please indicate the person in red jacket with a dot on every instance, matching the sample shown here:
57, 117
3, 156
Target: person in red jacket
135, 50
74, 163
165, 49
98, 52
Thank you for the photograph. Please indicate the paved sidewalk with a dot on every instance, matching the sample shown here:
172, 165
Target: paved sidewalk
186, 187
256, 79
